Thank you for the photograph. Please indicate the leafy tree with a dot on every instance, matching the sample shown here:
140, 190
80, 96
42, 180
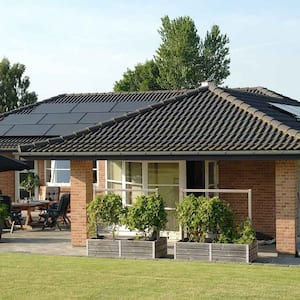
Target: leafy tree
106, 210
147, 214
214, 60
177, 57
142, 78
13, 86
182, 60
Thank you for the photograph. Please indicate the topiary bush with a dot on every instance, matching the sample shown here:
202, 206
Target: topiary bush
187, 213
147, 215
107, 210
204, 217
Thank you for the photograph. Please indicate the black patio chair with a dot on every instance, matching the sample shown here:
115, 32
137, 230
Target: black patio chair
15, 216
52, 214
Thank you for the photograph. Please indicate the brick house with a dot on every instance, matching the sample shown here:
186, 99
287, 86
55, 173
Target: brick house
209, 137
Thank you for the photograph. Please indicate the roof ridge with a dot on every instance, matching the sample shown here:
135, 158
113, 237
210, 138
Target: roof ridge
126, 93
257, 113
113, 120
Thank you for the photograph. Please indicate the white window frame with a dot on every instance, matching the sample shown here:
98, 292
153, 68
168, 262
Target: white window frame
17, 181
97, 173
51, 170
215, 184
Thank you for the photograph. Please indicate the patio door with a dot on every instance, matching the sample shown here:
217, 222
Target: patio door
202, 175
165, 177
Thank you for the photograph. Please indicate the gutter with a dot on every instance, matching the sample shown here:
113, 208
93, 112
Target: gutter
256, 153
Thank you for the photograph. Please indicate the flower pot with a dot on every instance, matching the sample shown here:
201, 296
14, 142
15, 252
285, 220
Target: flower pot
127, 248
215, 252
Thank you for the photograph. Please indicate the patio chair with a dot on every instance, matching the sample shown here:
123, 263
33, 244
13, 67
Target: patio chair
15, 216
52, 214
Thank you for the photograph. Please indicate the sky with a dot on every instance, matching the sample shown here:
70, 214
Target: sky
72, 46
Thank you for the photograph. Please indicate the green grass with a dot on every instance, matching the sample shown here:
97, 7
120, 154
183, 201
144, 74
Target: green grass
25, 276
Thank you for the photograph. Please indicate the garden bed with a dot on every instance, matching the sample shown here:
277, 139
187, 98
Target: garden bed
125, 248
215, 252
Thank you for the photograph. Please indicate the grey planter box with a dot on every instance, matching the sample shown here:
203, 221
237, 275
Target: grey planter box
127, 248
215, 252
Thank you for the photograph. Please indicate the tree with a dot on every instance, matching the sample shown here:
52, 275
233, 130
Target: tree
13, 86
182, 60
214, 60
177, 57
142, 78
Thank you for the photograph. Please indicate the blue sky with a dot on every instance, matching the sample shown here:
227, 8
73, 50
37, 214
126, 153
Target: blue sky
85, 46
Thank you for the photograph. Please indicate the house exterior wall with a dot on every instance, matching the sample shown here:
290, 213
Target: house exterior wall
81, 194
286, 206
7, 180
259, 176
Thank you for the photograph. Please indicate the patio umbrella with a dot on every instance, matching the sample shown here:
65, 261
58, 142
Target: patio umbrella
7, 164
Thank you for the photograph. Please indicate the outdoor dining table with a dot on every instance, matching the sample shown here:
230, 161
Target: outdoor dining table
29, 207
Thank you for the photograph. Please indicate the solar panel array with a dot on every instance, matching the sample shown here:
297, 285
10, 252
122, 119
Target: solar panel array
290, 109
52, 119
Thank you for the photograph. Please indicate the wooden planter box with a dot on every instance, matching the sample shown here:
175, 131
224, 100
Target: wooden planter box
215, 252
127, 248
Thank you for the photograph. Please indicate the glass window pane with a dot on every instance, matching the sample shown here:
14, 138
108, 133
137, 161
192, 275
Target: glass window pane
114, 170
170, 194
61, 176
163, 173
211, 173
62, 164
135, 191
133, 172
113, 185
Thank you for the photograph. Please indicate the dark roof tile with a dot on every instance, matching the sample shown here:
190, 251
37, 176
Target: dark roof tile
205, 119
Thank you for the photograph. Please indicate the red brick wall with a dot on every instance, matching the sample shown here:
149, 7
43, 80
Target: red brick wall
258, 176
101, 174
81, 194
286, 206
7, 180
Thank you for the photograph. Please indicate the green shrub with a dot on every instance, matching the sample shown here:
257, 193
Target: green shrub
216, 216
187, 213
4, 213
147, 215
245, 233
201, 216
107, 210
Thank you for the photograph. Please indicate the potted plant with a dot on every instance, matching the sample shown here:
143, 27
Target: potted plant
210, 223
148, 216
4, 213
105, 212
30, 181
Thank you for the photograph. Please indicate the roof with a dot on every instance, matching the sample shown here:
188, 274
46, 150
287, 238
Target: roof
68, 113
205, 121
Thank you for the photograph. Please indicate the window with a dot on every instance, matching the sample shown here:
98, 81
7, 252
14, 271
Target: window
58, 172
95, 171
114, 175
22, 174
165, 177
134, 183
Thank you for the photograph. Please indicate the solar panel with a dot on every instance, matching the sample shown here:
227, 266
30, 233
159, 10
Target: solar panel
130, 106
28, 130
291, 109
98, 117
15, 119
54, 108
66, 129
94, 107
67, 118
4, 128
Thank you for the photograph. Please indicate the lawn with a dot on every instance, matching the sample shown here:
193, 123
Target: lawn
25, 276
